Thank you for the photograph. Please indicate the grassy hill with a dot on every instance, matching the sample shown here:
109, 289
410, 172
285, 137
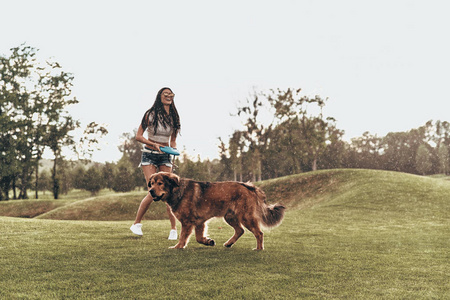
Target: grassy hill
347, 234
80, 205
110, 207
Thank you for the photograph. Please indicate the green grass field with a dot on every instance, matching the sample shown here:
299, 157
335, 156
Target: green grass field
347, 234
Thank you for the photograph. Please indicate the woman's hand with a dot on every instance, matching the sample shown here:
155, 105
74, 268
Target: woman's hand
158, 147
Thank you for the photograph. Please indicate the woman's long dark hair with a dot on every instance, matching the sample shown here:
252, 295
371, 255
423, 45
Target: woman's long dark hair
158, 114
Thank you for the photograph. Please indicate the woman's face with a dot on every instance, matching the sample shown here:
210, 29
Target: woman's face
167, 97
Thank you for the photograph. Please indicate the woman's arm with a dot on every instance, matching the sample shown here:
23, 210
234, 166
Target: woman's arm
173, 139
140, 138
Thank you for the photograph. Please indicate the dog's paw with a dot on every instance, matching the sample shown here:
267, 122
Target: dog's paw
228, 245
210, 242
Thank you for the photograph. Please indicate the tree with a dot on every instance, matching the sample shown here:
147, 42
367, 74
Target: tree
187, 168
78, 175
423, 160
226, 171
89, 141
131, 147
16, 118
400, 150
444, 159
235, 150
124, 180
334, 154
365, 152
253, 140
108, 172
92, 180
436, 134
45, 183
57, 86
33, 115
306, 133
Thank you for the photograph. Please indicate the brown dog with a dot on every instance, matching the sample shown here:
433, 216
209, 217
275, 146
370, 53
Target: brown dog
194, 202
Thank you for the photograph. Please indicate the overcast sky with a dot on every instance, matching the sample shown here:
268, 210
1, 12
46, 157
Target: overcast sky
384, 65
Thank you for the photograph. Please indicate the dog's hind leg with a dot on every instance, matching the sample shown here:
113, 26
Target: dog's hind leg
253, 225
231, 219
200, 232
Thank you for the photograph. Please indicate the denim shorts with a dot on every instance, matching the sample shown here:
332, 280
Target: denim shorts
156, 159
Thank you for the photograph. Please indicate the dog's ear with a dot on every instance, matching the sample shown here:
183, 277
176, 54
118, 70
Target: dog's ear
150, 179
174, 180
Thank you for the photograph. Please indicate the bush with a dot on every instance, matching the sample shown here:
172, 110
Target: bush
124, 179
92, 180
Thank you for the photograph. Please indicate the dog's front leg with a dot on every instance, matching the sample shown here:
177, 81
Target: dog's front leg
186, 230
200, 235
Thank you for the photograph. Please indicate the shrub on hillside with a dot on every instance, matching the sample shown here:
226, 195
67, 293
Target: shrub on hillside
123, 180
92, 180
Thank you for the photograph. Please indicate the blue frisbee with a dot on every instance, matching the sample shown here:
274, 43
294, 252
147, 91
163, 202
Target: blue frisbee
170, 150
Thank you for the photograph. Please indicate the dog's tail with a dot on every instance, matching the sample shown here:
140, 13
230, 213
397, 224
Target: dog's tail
271, 215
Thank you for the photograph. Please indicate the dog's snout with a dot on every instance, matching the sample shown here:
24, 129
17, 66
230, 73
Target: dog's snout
152, 192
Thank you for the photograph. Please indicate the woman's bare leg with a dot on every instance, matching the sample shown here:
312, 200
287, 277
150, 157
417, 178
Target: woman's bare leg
145, 203
143, 207
172, 218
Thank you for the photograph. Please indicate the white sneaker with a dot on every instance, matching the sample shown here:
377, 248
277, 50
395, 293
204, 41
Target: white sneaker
136, 228
173, 235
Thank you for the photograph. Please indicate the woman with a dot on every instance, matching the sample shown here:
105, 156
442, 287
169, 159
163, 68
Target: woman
161, 124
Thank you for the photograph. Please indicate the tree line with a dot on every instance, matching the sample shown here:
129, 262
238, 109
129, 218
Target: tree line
94, 176
286, 133
421, 151
299, 138
283, 132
